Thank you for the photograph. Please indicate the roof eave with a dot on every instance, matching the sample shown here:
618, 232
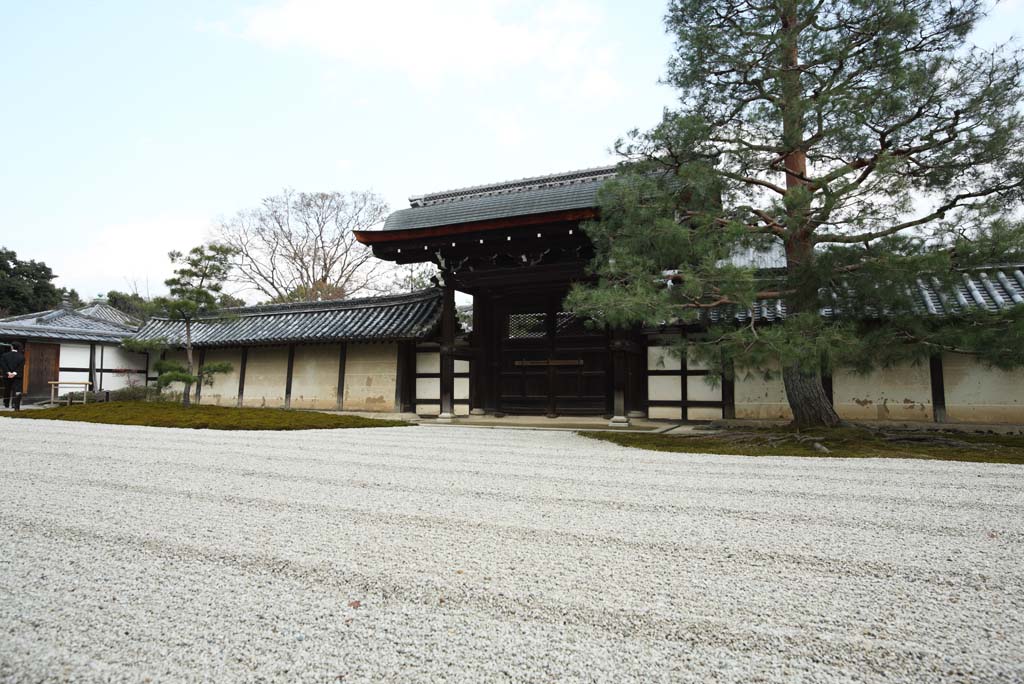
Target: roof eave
375, 237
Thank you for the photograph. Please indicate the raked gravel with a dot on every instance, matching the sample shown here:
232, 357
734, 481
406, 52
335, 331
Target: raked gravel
456, 554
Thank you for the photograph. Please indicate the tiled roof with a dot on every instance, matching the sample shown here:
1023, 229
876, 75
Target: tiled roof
108, 313
400, 317
537, 195
64, 324
994, 289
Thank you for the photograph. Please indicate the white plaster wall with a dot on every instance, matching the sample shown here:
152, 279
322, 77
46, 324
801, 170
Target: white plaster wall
428, 409
371, 372
114, 381
758, 398
665, 413
460, 389
428, 389
315, 376
110, 357
977, 393
224, 391
703, 413
116, 358
74, 356
461, 366
72, 376
428, 362
266, 371
901, 393
664, 388
692, 363
698, 389
661, 357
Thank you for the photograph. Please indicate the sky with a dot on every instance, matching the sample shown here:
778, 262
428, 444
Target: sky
130, 128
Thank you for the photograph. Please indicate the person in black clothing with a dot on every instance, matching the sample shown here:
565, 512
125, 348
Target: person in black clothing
12, 367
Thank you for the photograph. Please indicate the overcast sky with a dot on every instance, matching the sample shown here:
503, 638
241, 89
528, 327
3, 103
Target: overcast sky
130, 127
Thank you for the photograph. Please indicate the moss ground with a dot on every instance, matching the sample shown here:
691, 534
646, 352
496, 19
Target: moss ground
166, 414
849, 442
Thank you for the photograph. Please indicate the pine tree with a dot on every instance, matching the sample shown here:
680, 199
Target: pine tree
868, 142
195, 291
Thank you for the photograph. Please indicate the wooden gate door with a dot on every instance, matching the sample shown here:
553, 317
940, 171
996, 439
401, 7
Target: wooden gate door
42, 364
551, 363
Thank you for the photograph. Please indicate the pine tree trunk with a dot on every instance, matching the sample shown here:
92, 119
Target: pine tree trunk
806, 395
807, 399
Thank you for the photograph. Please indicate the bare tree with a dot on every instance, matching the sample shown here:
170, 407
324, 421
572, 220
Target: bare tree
300, 246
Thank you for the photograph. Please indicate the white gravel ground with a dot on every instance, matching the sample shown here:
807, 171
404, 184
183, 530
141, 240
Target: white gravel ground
455, 554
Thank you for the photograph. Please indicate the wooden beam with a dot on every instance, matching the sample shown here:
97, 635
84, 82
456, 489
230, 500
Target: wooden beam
342, 352
404, 380
288, 377
448, 354
728, 392
241, 375
938, 383
92, 368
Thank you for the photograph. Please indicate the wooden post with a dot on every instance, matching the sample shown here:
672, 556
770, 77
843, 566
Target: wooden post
447, 355
402, 377
288, 377
618, 348
92, 368
728, 392
938, 389
241, 376
478, 367
341, 375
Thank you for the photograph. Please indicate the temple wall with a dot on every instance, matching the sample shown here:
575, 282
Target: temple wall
902, 393
977, 393
371, 372
315, 376
224, 391
266, 372
758, 398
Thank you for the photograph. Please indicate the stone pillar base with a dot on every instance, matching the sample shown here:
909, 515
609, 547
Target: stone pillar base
477, 412
618, 421
445, 418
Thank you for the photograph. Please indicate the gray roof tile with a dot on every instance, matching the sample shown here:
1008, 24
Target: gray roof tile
64, 324
538, 195
401, 317
994, 289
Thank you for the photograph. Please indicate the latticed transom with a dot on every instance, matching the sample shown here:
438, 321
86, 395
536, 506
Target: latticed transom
524, 326
568, 323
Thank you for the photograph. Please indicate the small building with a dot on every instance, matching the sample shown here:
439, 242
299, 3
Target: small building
352, 355
75, 345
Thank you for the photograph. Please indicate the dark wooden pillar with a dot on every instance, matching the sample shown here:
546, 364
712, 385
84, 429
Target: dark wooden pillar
288, 377
92, 369
728, 391
241, 375
938, 389
619, 345
199, 371
342, 353
448, 354
494, 330
405, 385
478, 370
